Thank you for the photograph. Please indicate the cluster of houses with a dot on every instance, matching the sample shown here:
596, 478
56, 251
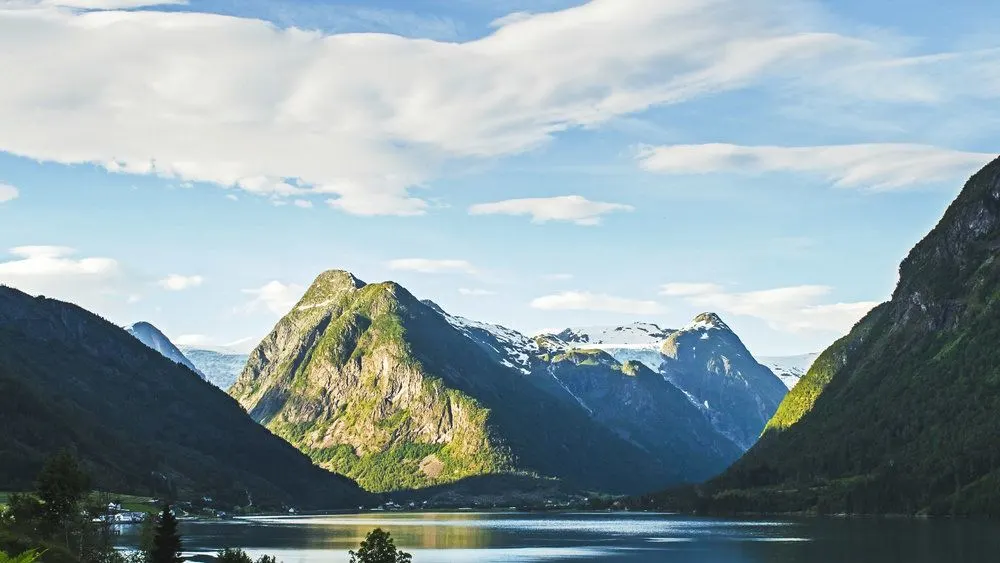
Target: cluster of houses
117, 515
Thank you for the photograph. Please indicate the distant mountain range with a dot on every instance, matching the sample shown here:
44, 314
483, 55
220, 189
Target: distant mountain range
789, 369
705, 360
395, 392
221, 365
139, 422
630, 382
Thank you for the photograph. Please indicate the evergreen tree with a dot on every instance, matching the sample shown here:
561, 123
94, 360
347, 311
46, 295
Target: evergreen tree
166, 540
379, 547
62, 485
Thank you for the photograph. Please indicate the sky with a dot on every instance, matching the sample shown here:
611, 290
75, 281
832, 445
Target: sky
538, 164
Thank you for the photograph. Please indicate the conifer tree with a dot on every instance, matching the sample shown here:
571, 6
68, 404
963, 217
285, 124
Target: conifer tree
166, 540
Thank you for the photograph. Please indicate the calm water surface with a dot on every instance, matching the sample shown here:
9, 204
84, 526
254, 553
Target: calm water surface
603, 537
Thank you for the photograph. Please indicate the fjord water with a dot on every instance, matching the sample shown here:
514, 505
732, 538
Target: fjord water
601, 537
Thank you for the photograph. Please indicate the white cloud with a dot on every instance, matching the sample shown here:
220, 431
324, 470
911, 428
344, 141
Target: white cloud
365, 118
95, 283
53, 261
870, 166
109, 4
586, 301
276, 297
8, 193
789, 309
192, 340
573, 208
176, 282
476, 292
303, 203
429, 266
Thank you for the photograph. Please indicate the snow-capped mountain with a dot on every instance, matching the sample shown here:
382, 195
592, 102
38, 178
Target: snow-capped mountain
708, 361
595, 369
705, 360
508, 346
789, 369
639, 342
152, 337
635, 335
221, 365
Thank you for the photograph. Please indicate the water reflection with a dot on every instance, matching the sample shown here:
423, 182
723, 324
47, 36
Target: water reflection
507, 537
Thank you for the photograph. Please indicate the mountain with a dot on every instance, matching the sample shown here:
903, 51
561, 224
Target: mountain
705, 360
220, 366
710, 363
638, 342
635, 402
901, 415
372, 382
789, 369
140, 423
152, 337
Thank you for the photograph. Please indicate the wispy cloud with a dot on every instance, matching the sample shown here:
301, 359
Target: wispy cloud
869, 166
790, 309
8, 193
274, 296
432, 266
242, 103
109, 4
572, 208
96, 283
557, 277
192, 340
586, 301
177, 282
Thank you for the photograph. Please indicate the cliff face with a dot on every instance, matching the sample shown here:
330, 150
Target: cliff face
902, 414
336, 378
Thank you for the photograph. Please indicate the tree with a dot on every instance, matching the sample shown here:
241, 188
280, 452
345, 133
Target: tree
166, 540
379, 547
62, 484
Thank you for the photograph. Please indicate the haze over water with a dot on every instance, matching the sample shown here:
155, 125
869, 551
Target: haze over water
601, 537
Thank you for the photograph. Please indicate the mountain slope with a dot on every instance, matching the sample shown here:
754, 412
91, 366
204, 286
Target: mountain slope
152, 337
140, 422
393, 391
709, 362
901, 415
705, 360
627, 397
221, 367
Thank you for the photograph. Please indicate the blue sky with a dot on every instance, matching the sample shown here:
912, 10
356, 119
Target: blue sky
538, 165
